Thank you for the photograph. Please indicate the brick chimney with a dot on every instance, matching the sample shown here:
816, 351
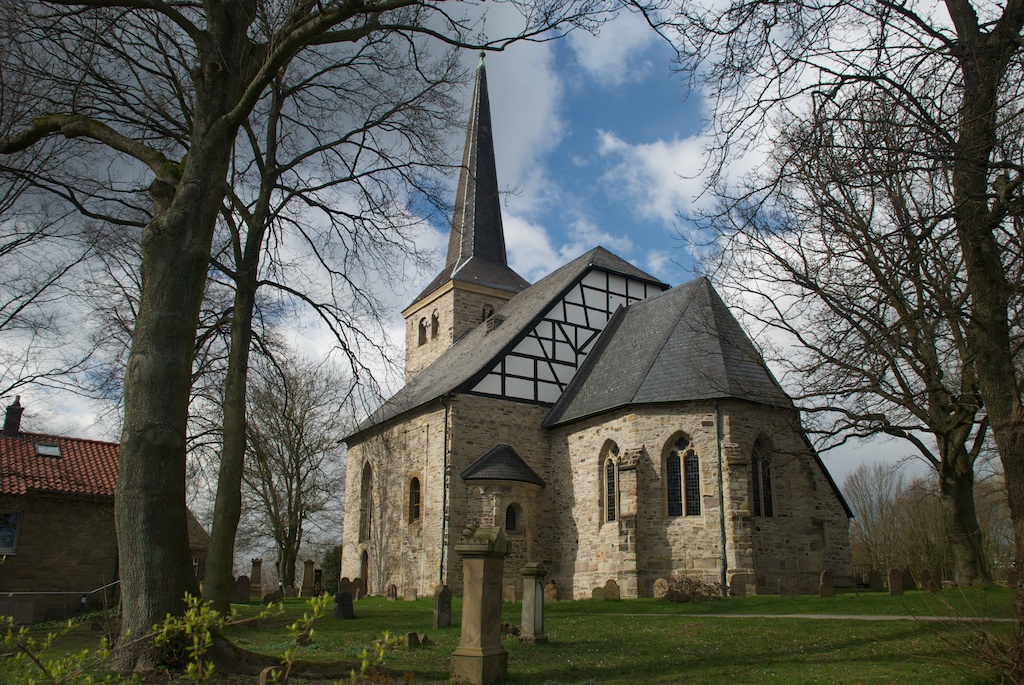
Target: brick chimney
12, 422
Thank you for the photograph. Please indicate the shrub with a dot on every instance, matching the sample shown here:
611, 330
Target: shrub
687, 589
332, 570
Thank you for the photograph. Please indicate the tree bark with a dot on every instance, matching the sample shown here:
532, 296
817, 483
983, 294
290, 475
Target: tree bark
956, 488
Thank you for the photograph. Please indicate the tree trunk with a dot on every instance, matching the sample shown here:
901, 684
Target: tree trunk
956, 488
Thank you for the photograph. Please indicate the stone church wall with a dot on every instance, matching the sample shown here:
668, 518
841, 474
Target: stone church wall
403, 553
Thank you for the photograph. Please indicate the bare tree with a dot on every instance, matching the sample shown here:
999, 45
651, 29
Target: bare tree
853, 260
293, 470
954, 68
100, 80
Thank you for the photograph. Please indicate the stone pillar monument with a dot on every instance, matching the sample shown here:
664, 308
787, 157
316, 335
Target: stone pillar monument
480, 658
256, 580
532, 629
307, 578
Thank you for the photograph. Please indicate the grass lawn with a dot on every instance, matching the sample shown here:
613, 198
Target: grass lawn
652, 641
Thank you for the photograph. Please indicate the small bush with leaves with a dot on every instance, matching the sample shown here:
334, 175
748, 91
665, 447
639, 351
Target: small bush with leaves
687, 589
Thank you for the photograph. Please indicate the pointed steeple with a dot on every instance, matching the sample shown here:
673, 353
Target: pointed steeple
476, 243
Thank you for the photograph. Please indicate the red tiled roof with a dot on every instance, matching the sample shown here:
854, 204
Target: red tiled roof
85, 467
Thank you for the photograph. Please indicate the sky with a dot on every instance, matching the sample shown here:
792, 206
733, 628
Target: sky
598, 142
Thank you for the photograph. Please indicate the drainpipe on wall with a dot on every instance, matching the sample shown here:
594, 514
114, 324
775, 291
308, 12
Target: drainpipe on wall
721, 499
444, 492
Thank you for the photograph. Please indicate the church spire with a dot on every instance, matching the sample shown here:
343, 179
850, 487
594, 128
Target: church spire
476, 229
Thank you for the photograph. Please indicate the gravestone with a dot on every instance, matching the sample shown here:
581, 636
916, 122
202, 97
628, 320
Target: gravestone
611, 591
273, 597
533, 604
442, 606
597, 593
343, 605
360, 588
346, 585
908, 580
551, 592
412, 640
825, 586
789, 587
875, 581
307, 578
410, 594
508, 593
391, 593
737, 585
240, 590
318, 582
256, 579
895, 582
425, 641
289, 591
925, 579
480, 659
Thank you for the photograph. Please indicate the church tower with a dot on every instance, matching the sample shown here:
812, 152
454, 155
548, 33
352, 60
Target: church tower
476, 279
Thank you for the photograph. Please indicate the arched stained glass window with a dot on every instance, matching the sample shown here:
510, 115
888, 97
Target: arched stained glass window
682, 480
414, 500
611, 501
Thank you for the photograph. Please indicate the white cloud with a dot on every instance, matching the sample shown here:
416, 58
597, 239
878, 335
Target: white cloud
659, 180
530, 252
614, 55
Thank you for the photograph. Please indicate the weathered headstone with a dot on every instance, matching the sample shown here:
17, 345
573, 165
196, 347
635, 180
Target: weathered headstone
925, 579
425, 641
597, 593
908, 580
318, 582
551, 592
480, 658
343, 605
789, 587
307, 578
875, 581
359, 585
825, 586
240, 590
412, 640
256, 579
508, 593
273, 597
391, 593
346, 585
611, 591
289, 591
739, 585
442, 606
532, 623
410, 594
895, 582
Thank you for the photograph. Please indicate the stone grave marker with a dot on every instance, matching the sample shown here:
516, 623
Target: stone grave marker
289, 591
895, 582
343, 606
825, 585
425, 641
318, 582
307, 578
533, 604
412, 640
597, 593
908, 580
442, 606
611, 591
551, 592
789, 587
346, 585
480, 659
875, 581
410, 594
273, 597
360, 588
256, 579
737, 585
391, 593
925, 579
508, 593
240, 590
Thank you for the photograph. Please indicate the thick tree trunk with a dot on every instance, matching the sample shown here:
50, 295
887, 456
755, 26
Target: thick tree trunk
956, 488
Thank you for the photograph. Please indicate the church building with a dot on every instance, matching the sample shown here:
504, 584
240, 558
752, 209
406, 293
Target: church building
615, 427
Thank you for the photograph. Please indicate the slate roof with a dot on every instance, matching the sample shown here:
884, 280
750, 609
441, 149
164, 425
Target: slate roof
478, 350
502, 463
85, 467
476, 242
680, 345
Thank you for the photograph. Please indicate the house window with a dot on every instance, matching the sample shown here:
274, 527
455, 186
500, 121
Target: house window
414, 500
423, 332
10, 524
435, 325
514, 519
682, 480
761, 479
611, 497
